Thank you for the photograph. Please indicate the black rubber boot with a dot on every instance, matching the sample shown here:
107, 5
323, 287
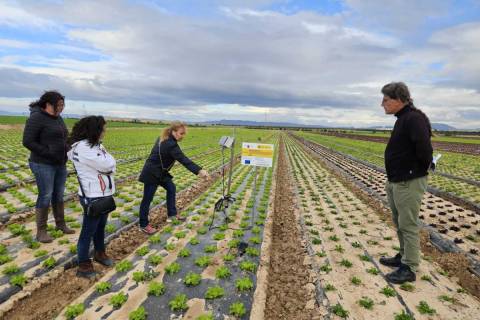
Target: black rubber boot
401, 275
392, 262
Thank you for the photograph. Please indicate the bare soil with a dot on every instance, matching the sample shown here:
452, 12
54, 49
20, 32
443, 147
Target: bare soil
288, 277
11, 126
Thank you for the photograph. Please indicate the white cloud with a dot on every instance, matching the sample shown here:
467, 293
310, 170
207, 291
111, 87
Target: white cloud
302, 67
14, 43
121, 39
241, 14
318, 28
369, 37
352, 33
459, 50
397, 16
14, 16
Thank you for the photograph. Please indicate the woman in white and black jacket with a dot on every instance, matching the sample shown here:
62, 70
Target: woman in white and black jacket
95, 168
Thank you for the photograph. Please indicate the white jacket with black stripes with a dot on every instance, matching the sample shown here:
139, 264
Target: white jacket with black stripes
95, 168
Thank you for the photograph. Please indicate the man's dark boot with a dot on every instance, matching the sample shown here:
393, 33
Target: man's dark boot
401, 275
85, 270
41, 218
59, 214
392, 262
102, 258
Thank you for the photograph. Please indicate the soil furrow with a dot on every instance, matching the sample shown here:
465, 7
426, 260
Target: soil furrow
289, 278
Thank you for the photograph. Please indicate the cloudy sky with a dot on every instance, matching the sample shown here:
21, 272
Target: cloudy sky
311, 62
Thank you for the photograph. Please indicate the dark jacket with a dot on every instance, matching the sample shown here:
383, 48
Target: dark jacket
46, 137
171, 152
409, 150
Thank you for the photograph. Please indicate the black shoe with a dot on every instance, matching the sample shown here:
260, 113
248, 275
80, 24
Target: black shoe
401, 275
392, 262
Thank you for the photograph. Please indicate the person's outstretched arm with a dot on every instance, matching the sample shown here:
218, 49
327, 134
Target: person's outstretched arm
178, 155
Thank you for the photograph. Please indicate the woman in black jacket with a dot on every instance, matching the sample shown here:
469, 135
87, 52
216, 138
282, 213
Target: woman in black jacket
156, 171
45, 135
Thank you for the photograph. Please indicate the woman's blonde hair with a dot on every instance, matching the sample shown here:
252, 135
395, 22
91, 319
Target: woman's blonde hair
174, 126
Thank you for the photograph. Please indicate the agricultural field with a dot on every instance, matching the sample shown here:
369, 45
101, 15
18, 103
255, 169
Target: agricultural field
17, 188
28, 262
457, 174
346, 239
301, 240
473, 138
459, 144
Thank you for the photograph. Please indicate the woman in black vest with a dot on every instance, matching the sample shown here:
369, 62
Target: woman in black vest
156, 171
45, 135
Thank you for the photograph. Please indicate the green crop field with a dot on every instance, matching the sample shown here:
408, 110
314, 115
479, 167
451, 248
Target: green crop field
438, 136
455, 164
219, 264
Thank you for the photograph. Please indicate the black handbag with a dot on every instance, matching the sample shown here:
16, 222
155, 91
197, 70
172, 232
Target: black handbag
98, 206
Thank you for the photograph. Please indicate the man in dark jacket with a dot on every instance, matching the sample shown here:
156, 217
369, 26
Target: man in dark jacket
156, 172
408, 157
45, 135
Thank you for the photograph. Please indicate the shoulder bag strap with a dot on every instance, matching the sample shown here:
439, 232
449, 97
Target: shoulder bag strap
160, 154
74, 157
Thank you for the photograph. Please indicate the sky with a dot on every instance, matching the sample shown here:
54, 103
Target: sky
307, 62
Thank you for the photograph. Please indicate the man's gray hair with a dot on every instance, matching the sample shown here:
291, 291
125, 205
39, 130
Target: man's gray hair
397, 91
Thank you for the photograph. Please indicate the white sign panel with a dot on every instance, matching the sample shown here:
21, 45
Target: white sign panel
257, 154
